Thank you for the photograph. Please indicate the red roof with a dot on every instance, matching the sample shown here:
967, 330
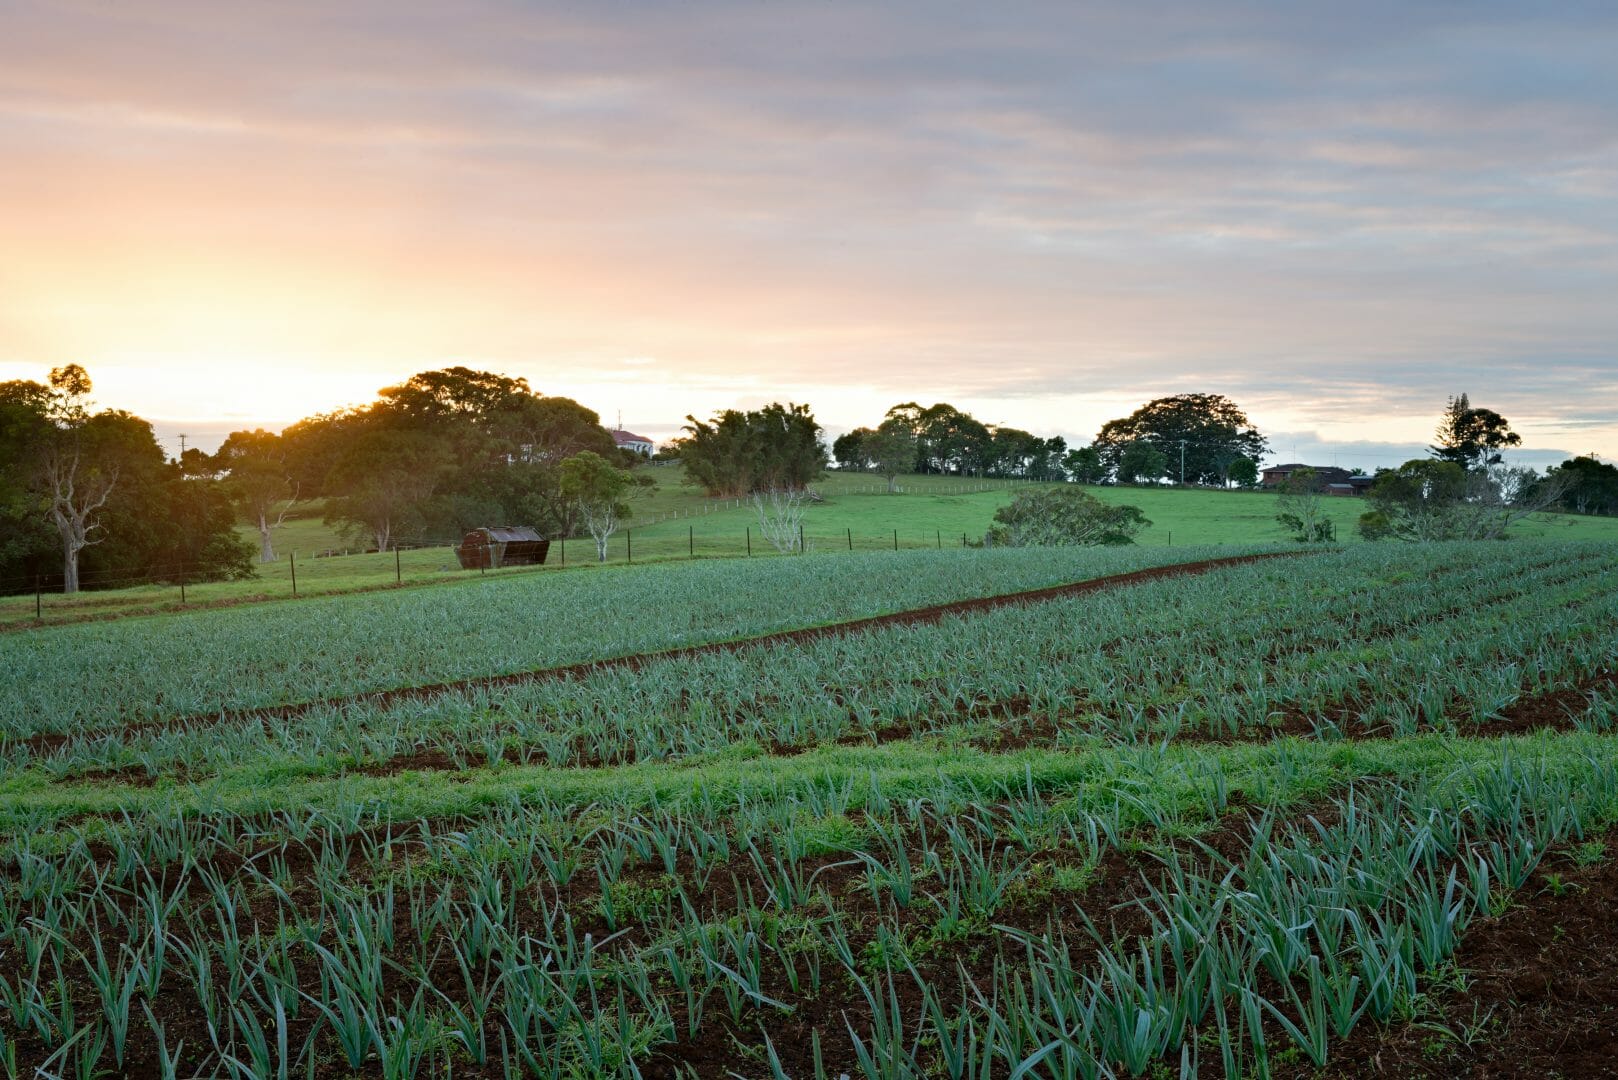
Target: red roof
621, 437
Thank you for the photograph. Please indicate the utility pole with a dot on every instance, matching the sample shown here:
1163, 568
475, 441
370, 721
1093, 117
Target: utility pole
1182, 463
182, 451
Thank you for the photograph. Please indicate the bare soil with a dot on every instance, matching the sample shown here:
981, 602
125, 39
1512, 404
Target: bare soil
1541, 994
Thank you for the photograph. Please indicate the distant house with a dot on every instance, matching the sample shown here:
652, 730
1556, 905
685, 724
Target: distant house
628, 440
1328, 478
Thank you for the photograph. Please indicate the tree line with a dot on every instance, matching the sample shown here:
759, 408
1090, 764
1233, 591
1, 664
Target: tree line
1463, 489
89, 496
1191, 438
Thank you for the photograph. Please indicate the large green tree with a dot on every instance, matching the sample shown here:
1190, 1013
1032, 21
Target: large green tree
1141, 462
851, 450
1214, 430
88, 498
1084, 465
77, 465
600, 491
444, 452
382, 483
1012, 452
259, 480
26, 536
1243, 472
478, 397
892, 448
1592, 485
950, 441
776, 448
1472, 438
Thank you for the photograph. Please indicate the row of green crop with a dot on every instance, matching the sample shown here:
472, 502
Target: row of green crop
66, 678
1377, 639
570, 940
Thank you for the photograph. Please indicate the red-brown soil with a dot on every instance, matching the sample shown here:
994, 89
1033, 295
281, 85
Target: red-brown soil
1121, 878
1541, 999
718, 1046
1553, 711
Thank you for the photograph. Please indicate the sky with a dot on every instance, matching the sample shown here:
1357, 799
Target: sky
237, 214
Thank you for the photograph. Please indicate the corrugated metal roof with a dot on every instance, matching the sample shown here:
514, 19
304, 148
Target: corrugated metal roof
506, 534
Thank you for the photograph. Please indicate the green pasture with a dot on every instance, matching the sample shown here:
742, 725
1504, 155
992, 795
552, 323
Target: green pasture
672, 520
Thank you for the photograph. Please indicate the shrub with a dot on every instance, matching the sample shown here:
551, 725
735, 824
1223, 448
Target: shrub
1063, 517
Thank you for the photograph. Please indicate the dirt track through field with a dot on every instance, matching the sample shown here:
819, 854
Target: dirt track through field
912, 617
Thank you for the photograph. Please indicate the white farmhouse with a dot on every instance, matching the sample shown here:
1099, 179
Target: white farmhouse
628, 440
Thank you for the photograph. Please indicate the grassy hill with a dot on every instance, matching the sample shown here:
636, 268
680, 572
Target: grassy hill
926, 511
672, 520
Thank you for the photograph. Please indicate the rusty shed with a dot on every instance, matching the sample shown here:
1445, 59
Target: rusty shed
502, 545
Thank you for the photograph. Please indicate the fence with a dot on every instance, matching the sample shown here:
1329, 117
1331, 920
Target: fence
852, 484
295, 576
654, 536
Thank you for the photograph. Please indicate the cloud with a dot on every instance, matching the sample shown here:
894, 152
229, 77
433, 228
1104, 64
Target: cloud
1326, 211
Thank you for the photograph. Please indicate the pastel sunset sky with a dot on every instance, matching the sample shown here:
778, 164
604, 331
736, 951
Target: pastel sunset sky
1338, 214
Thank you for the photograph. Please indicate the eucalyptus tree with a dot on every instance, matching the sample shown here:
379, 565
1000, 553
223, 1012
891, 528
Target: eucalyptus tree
259, 482
79, 487
600, 491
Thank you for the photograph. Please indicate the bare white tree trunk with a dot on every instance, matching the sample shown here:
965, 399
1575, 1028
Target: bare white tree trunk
70, 564
72, 509
780, 516
266, 549
601, 521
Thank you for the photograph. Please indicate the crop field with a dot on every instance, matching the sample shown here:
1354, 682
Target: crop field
1158, 812
236, 658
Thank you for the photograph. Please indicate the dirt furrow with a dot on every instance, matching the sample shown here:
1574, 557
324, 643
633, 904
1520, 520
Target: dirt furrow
913, 617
